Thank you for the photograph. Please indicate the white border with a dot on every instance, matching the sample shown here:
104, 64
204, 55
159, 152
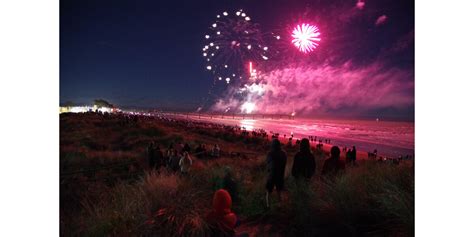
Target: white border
29, 124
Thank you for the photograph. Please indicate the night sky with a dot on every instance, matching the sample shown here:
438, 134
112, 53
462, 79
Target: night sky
149, 53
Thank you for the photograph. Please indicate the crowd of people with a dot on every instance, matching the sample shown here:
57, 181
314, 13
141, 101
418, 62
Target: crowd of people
351, 155
178, 157
221, 130
221, 217
256, 136
304, 166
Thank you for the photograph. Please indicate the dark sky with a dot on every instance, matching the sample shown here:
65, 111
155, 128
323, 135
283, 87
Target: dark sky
149, 53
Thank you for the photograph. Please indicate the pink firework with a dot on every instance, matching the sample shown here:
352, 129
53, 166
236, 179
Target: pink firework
305, 37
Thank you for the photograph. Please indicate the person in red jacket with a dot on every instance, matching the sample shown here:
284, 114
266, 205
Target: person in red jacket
221, 219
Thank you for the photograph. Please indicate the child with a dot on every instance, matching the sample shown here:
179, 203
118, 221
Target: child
221, 219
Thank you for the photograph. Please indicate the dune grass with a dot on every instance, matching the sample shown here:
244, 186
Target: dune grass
368, 199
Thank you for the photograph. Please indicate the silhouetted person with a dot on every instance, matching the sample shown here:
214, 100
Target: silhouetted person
174, 161
333, 165
354, 155
199, 152
179, 147
349, 156
185, 163
169, 151
187, 148
151, 155
229, 184
216, 151
276, 162
159, 158
222, 221
304, 164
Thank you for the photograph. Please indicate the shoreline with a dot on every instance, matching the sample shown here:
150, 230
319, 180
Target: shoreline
361, 152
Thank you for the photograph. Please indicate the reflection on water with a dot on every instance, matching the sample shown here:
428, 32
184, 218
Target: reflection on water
389, 138
248, 124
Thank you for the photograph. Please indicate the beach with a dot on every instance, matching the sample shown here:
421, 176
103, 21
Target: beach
391, 139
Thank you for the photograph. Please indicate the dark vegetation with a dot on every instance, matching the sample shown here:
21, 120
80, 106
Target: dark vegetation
103, 103
107, 189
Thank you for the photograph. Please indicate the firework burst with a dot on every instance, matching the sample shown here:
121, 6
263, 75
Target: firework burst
233, 39
305, 37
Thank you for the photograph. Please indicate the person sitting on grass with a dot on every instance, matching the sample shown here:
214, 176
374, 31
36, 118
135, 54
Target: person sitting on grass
333, 165
185, 163
222, 221
304, 164
276, 162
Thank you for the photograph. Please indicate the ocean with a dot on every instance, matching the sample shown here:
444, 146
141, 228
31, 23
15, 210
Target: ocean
390, 138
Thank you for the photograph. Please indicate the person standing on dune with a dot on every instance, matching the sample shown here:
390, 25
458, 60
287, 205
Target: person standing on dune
174, 161
159, 158
354, 155
276, 163
304, 164
185, 163
333, 165
151, 155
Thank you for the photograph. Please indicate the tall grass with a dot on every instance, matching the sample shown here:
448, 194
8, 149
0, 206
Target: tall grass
159, 204
369, 199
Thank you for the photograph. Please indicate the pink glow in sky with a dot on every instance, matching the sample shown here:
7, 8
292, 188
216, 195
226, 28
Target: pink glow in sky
305, 37
382, 19
327, 89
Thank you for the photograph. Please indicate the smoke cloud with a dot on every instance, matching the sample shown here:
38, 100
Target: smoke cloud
331, 90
